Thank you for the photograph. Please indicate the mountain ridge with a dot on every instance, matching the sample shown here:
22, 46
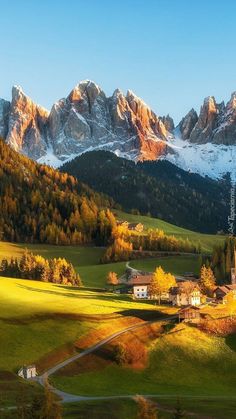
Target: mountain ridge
87, 120
156, 187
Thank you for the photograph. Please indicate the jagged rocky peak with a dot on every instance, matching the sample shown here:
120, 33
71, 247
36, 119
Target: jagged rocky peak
86, 92
168, 123
207, 121
26, 125
231, 105
187, 124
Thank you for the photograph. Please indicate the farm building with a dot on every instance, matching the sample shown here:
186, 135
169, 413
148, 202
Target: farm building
186, 293
140, 283
190, 313
222, 292
136, 227
27, 372
131, 226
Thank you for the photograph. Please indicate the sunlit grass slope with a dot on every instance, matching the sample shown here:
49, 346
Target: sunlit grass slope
207, 240
38, 317
86, 259
184, 362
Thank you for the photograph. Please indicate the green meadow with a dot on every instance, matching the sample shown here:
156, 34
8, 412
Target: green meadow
208, 241
183, 349
86, 260
177, 265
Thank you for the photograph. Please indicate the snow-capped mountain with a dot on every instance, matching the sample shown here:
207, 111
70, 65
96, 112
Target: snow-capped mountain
89, 120
83, 121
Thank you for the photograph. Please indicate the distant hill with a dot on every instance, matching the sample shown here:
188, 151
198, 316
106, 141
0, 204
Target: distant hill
157, 188
40, 204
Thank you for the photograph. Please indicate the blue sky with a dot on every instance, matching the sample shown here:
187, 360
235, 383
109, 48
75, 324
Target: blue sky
171, 53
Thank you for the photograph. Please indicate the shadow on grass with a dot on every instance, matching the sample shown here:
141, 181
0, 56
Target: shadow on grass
231, 341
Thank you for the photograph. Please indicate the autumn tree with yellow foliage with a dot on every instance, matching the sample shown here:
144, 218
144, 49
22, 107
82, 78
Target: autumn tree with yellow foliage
161, 283
207, 280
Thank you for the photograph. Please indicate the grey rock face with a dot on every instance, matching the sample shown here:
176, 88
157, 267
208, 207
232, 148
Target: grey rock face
168, 122
88, 120
4, 117
187, 124
26, 125
216, 123
206, 123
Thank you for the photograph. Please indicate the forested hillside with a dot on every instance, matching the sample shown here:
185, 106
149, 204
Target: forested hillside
158, 188
40, 204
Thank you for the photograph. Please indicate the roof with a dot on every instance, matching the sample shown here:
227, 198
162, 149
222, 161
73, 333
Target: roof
29, 366
120, 222
183, 288
226, 288
140, 280
189, 307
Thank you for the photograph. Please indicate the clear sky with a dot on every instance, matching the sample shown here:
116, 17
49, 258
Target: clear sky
172, 53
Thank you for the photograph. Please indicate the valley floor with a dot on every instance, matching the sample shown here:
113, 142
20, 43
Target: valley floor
45, 323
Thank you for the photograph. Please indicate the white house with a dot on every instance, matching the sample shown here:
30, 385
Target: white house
27, 372
185, 293
140, 285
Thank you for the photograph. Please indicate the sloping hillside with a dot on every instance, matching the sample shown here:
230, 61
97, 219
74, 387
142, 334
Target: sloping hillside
159, 188
40, 204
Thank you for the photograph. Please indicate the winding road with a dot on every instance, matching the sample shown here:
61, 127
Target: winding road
67, 397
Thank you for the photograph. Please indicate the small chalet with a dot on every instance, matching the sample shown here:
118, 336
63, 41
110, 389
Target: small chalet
131, 226
140, 283
190, 314
28, 371
222, 292
136, 227
185, 294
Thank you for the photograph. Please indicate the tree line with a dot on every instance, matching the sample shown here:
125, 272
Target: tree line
158, 188
36, 267
40, 204
222, 260
124, 241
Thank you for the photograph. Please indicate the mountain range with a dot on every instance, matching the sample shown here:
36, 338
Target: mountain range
89, 120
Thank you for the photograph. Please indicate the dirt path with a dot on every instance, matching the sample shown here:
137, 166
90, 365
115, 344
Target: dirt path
67, 397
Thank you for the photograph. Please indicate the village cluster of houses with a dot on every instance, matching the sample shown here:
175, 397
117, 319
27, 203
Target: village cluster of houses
186, 292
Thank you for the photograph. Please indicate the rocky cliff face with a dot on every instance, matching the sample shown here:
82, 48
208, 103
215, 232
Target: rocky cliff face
4, 117
26, 130
216, 123
85, 120
88, 120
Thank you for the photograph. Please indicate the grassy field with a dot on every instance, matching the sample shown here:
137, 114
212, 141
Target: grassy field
177, 265
86, 261
208, 241
42, 323
31, 311
183, 362
166, 407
